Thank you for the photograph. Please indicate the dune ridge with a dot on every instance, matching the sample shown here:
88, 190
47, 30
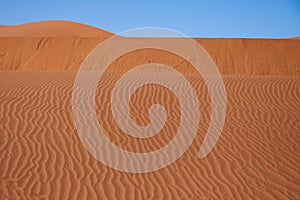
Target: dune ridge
52, 28
62, 46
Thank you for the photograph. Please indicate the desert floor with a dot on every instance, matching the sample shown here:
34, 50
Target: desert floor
257, 154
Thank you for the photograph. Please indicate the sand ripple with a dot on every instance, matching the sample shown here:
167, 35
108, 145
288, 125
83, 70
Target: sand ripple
257, 155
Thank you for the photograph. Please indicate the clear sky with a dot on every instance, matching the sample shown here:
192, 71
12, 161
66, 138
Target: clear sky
196, 18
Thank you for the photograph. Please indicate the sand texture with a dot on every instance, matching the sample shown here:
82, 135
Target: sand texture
42, 156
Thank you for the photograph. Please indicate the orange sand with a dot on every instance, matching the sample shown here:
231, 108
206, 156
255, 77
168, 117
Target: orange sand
41, 155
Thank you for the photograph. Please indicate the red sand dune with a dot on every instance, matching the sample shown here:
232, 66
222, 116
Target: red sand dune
52, 29
41, 155
60, 45
297, 38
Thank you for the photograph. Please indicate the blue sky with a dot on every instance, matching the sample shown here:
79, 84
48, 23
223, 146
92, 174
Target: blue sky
202, 18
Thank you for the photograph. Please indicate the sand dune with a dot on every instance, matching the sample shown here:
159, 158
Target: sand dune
60, 45
297, 38
42, 156
52, 29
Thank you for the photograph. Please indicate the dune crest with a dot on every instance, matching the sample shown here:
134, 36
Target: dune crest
52, 28
62, 46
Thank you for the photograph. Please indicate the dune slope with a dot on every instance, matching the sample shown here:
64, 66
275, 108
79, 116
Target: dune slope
62, 46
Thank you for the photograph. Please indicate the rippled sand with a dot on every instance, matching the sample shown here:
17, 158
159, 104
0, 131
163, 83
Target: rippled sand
42, 156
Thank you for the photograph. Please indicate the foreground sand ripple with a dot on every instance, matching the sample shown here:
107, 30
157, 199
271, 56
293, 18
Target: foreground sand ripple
257, 155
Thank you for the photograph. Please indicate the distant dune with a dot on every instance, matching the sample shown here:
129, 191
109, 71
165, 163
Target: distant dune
62, 46
52, 29
42, 156
297, 38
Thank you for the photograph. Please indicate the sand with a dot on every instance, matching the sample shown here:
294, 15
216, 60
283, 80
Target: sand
41, 155
62, 46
